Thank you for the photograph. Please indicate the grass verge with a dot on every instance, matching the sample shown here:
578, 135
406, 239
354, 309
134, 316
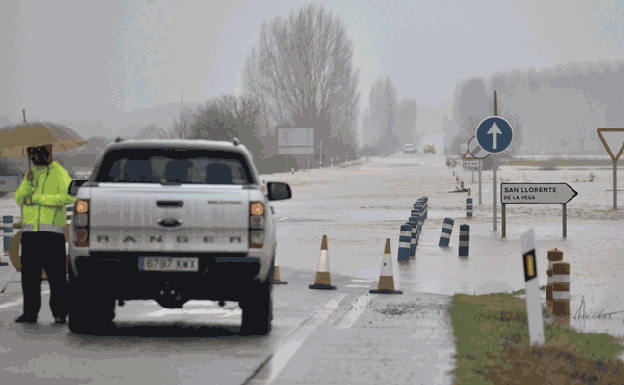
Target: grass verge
493, 346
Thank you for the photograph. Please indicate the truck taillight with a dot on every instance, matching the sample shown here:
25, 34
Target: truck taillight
256, 225
80, 222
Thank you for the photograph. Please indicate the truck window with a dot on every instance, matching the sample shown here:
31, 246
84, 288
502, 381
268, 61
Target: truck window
173, 167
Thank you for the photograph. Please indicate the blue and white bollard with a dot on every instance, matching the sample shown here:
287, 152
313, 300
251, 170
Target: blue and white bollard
413, 221
425, 202
70, 212
447, 229
424, 207
7, 230
414, 239
464, 238
469, 207
421, 214
405, 243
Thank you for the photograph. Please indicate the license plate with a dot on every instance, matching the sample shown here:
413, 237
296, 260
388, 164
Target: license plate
168, 264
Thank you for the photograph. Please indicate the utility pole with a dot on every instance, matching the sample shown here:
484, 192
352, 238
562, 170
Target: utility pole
24, 114
321, 156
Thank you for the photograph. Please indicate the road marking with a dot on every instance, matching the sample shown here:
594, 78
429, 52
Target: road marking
358, 308
363, 280
20, 300
359, 285
194, 312
278, 360
281, 219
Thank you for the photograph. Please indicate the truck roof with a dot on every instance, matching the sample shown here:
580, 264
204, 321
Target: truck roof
183, 144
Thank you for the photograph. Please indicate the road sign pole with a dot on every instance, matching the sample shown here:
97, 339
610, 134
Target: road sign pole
473, 175
503, 223
494, 192
565, 220
321, 155
494, 166
615, 185
286, 139
479, 182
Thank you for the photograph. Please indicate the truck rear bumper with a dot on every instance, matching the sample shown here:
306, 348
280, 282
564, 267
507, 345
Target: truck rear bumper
220, 276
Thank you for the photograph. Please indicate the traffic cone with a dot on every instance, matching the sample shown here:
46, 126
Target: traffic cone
386, 278
322, 278
276, 275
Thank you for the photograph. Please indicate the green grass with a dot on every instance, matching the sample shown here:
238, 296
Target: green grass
493, 347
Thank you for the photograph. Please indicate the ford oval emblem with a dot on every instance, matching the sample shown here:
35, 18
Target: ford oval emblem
169, 222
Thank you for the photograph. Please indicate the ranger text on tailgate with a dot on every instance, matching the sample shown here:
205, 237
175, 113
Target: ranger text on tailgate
172, 221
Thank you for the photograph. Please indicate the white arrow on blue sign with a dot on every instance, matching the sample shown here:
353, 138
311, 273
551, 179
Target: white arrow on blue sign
494, 134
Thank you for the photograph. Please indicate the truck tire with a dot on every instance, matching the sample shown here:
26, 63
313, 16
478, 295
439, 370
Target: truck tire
258, 307
91, 312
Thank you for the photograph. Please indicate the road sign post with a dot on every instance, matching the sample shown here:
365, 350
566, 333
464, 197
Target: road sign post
536, 193
296, 141
494, 135
531, 288
613, 140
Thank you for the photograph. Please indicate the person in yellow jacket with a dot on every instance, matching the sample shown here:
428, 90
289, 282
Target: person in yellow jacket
43, 197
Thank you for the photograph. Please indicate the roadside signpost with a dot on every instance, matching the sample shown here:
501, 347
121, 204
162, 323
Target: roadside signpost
295, 141
536, 193
494, 135
478, 153
470, 162
531, 288
613, 140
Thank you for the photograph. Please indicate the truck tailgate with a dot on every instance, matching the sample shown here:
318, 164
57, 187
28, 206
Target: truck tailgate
153, 217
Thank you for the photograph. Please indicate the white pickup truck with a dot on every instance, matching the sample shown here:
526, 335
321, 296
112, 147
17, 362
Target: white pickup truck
172, 221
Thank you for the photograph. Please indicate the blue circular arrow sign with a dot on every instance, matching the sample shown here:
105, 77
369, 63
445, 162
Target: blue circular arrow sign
494, 134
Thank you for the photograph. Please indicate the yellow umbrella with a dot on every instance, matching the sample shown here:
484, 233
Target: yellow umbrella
16, 138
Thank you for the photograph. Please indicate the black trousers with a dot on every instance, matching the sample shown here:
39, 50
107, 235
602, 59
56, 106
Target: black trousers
44, 249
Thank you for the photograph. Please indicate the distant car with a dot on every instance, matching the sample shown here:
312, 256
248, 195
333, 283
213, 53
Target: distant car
429, 149
409, 149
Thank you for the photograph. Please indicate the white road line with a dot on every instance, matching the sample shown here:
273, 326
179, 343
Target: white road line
358, 285
363, 280
281, 219
358, 308
288, 349
20, 301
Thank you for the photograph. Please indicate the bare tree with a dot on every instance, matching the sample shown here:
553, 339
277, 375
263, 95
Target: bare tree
302, 72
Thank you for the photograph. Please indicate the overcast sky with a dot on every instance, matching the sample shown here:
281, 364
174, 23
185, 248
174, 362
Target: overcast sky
78, 60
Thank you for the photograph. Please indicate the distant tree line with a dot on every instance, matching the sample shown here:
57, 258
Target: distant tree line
553, 111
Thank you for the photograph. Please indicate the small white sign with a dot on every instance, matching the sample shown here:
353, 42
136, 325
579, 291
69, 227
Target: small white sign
471, 163
531, 288
296, 150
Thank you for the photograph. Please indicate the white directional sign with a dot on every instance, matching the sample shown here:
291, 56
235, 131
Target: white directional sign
463, 148
471, 163
536, 193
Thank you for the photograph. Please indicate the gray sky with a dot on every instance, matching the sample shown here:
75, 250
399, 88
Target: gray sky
81, 60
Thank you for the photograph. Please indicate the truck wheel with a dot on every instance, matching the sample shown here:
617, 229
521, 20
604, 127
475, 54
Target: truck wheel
90, 312
258, 308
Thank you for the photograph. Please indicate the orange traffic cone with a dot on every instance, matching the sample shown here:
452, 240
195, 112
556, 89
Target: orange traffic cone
386, 278
276, 275
322, 279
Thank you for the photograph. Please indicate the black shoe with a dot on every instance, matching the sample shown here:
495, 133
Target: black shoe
25, 319
60, 320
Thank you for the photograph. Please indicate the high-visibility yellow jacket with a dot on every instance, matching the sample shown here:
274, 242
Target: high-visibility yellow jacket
50, 198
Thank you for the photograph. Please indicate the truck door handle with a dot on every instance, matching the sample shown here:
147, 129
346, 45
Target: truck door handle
169, 203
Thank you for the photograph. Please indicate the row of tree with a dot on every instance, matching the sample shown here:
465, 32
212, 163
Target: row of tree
301, 74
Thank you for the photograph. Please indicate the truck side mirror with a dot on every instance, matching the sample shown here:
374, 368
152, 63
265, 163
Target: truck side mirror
278, 191
75, 185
